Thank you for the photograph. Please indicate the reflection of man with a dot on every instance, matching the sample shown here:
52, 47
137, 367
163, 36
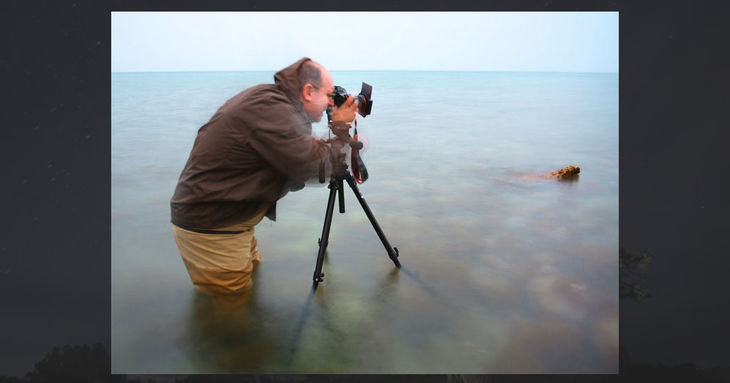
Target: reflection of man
255, 148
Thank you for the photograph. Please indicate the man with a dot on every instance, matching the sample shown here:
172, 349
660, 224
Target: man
255, 149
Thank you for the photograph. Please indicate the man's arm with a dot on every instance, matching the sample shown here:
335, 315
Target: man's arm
281, 141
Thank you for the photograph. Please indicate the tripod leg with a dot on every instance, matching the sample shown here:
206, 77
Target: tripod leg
341, 189
392, 251
324, 239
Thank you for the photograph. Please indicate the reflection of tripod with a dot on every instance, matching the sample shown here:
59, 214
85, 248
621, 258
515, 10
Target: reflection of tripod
335, 186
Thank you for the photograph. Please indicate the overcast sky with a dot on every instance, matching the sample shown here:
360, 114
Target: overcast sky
478, 41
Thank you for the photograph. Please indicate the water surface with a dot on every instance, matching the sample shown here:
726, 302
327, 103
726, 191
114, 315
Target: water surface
503, 271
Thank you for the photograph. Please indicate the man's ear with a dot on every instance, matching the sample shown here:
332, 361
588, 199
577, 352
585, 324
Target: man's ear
307, 91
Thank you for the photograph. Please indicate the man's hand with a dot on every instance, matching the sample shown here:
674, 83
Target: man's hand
345, 112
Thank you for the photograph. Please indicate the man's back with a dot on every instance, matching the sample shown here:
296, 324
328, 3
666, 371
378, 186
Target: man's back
243, 157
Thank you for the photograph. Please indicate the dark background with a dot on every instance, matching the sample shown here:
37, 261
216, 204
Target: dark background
56, 146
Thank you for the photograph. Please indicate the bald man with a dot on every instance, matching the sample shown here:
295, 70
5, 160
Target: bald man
255, 149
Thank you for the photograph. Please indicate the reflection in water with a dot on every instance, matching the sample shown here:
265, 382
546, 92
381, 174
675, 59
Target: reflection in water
300, 323
569, 179
532, 348
428, 288
384, 289
224, 332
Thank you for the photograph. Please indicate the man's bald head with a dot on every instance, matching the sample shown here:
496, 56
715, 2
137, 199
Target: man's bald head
310, 73
315, 85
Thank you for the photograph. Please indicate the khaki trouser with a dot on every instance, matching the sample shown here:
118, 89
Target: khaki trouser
220, 263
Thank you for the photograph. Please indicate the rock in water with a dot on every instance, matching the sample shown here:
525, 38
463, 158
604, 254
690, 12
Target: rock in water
566, 172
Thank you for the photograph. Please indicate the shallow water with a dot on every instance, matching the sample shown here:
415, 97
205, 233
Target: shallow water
503, 271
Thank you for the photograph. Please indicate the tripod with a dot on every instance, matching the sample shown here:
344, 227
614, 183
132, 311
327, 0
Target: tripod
336, 187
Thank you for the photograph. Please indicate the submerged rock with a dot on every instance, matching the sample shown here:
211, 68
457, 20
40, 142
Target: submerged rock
566, 172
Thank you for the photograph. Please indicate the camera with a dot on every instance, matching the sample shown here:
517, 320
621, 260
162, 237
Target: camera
364, 98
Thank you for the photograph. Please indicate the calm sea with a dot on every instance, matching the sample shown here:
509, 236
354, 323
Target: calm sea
503, 271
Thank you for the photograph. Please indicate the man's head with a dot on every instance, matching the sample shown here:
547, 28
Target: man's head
315, 89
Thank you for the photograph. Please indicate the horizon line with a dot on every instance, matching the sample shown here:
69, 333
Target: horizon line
367, 70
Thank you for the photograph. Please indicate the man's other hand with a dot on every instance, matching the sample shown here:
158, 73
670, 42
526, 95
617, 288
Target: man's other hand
345, 112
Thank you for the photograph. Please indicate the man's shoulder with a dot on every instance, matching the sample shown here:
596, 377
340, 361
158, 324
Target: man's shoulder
257, 98
262, 106
264, 93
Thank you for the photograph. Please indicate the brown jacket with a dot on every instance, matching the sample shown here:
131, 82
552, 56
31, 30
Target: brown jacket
255, 148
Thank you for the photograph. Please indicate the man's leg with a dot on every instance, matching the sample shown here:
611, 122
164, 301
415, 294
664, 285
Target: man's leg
255, 253
220, 263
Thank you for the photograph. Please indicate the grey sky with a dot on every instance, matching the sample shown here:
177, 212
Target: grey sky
479, 41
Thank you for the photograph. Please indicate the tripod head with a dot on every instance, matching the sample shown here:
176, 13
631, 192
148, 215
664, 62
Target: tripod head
338, 159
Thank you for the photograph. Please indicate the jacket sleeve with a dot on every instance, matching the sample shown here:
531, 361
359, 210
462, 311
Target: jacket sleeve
285, 142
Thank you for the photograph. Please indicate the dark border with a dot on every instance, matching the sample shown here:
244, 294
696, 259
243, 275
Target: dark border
56, 144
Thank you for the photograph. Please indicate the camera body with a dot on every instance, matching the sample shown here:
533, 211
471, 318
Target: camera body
364, 98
